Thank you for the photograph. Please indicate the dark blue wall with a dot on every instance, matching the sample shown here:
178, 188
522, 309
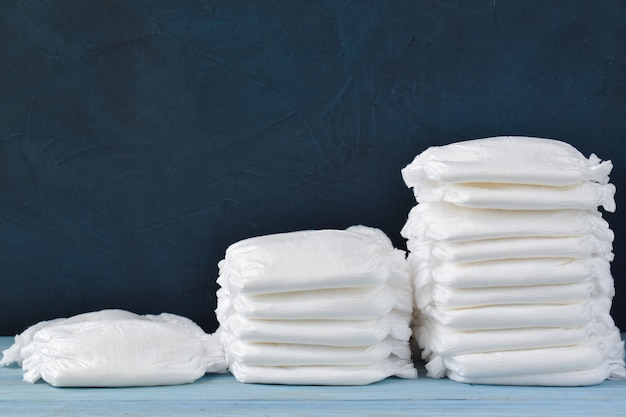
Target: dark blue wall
138, 139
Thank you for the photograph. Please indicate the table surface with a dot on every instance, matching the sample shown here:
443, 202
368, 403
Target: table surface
222, 395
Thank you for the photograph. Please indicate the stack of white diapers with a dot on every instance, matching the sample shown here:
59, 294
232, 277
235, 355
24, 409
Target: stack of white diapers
115, 348
510, 260
320, 307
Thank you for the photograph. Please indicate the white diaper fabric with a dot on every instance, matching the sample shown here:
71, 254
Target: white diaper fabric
512, 272
324, 375
587, 355
315, 332
17, 351
580, 196
573, 247
116, 348
457, 298
507, 160
298, 354
357, 257
359, 303
316, 307
444, 221
510, 263
448, 342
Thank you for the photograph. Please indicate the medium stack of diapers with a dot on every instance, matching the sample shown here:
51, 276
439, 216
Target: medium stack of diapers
318, 307
510, 261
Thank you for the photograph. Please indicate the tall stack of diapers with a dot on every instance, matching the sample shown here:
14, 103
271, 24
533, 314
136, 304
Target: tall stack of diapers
510, 262
319, 307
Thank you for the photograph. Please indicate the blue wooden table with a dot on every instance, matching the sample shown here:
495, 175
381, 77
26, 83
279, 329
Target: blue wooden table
222, 395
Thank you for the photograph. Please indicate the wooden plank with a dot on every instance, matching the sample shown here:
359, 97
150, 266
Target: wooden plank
223, 395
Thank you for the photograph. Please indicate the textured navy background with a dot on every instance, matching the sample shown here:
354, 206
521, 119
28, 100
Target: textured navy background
138, 139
